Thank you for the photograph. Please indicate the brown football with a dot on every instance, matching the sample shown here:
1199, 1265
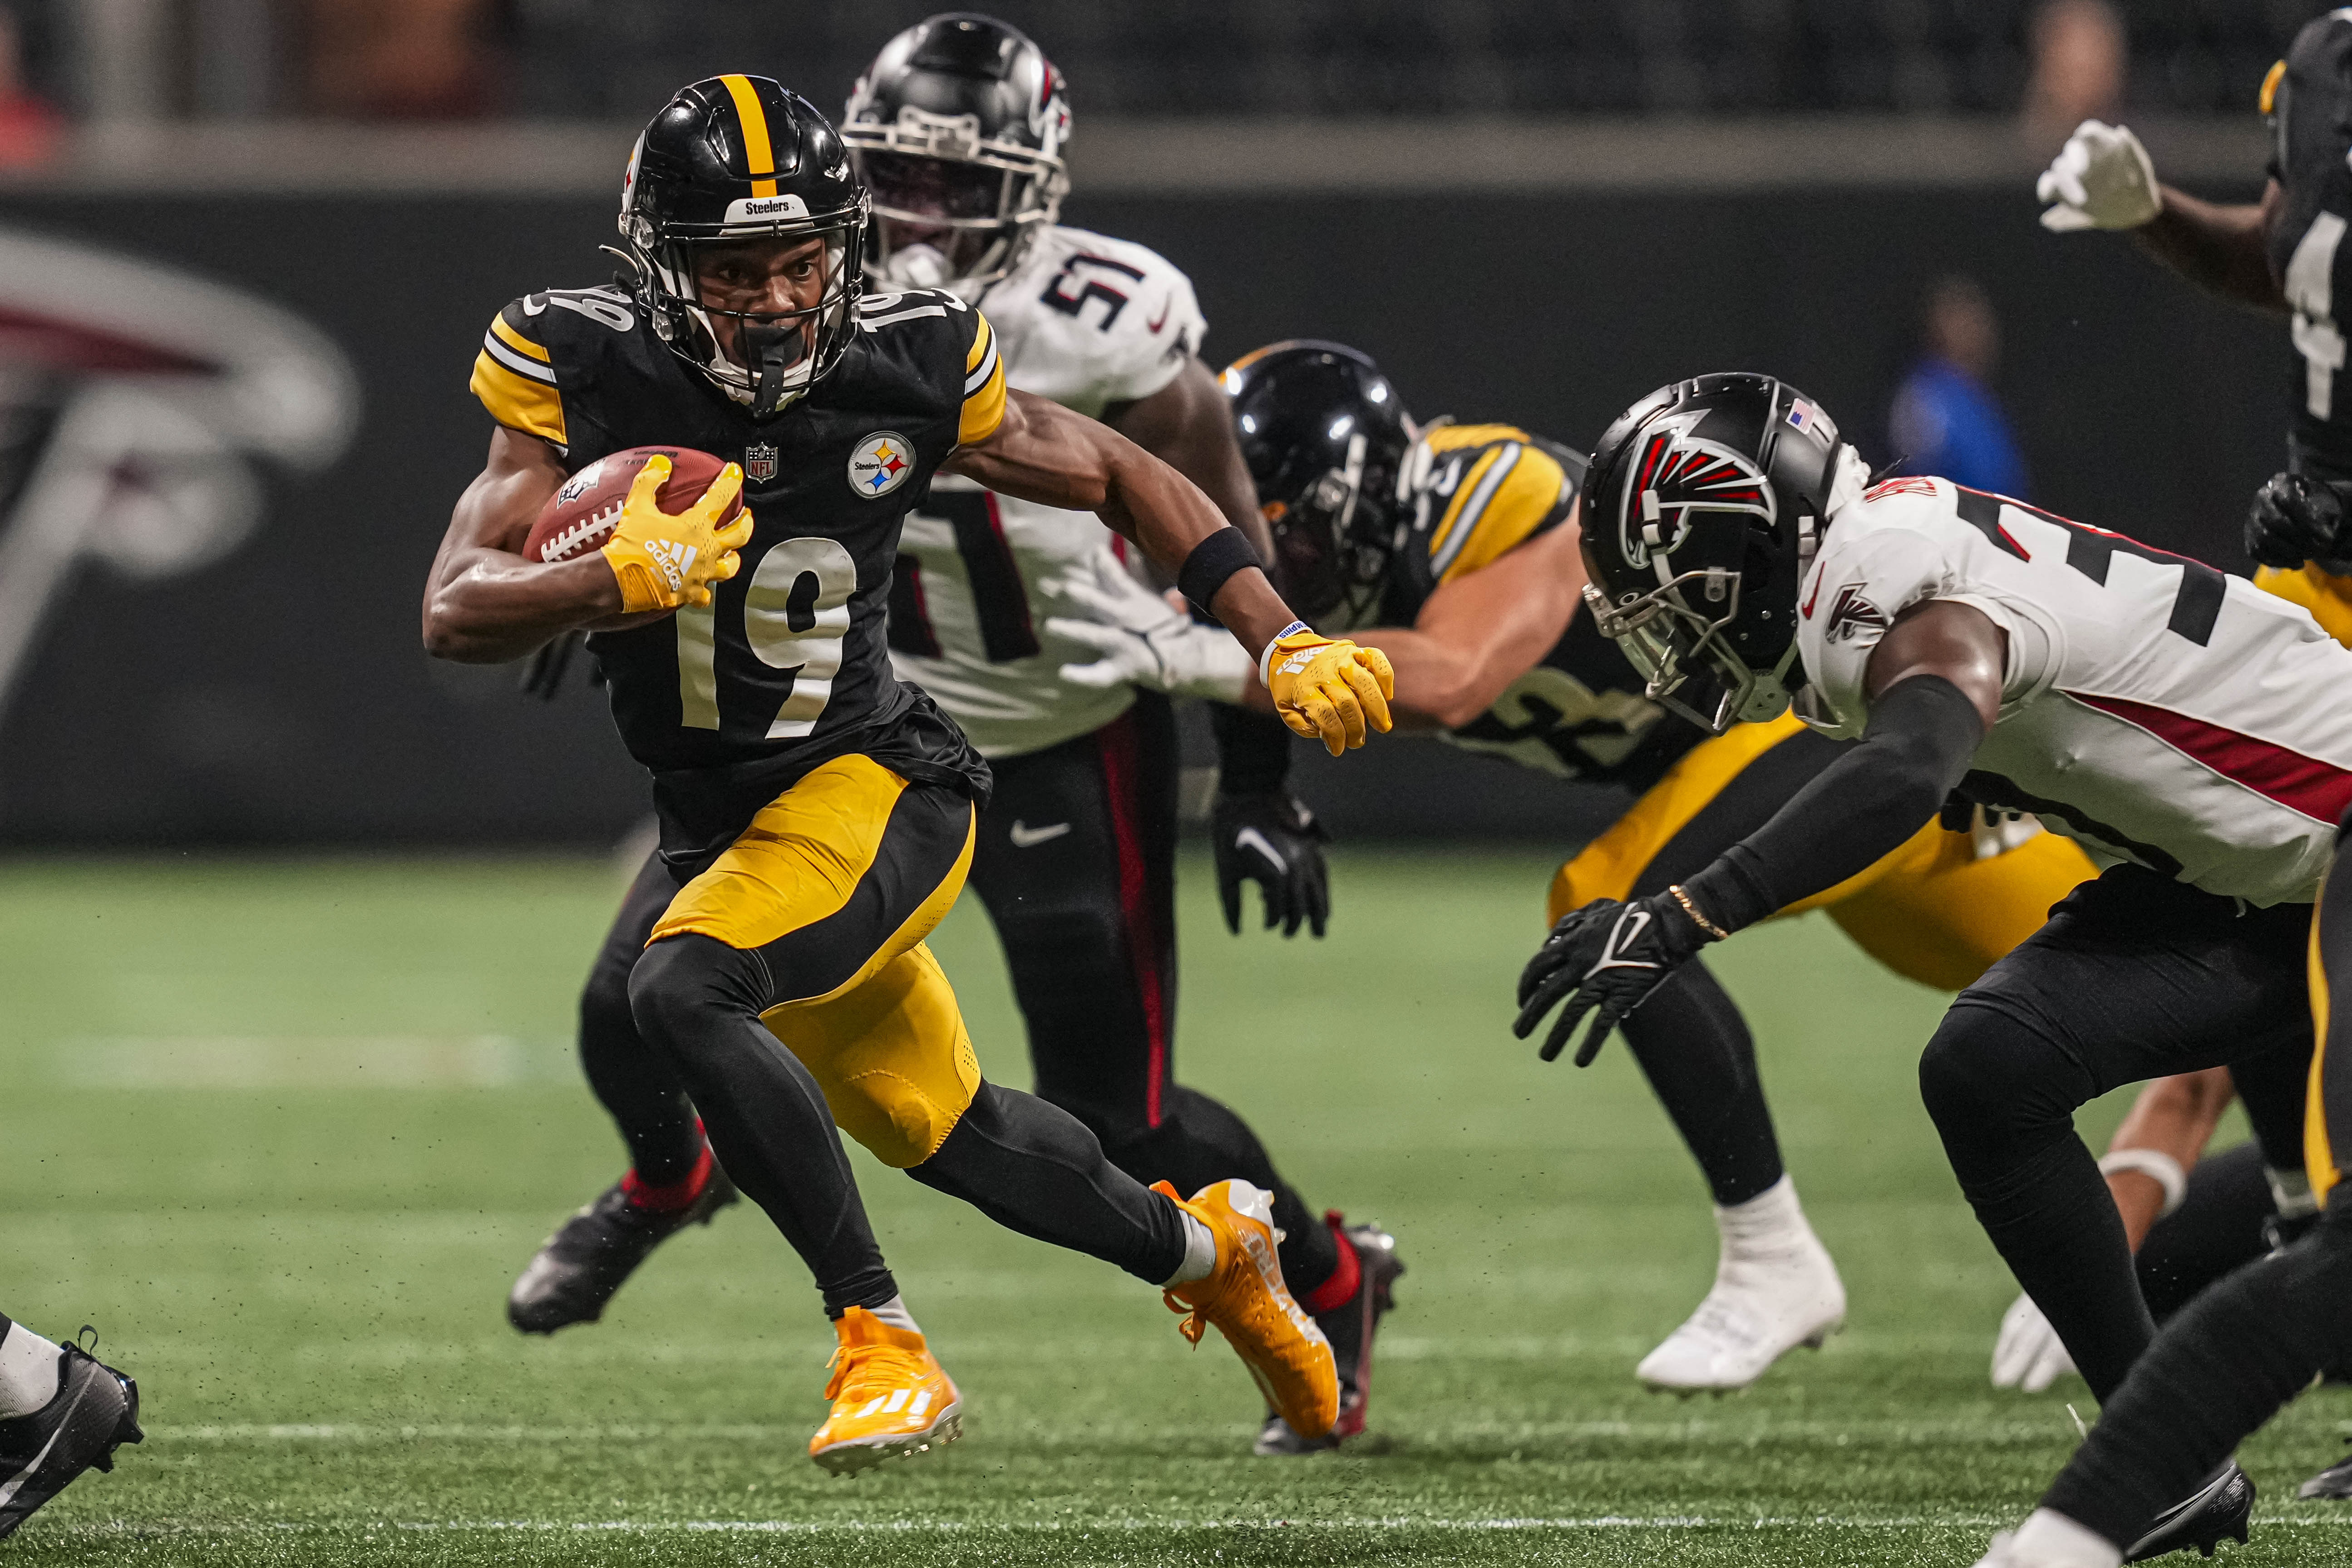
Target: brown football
578, 518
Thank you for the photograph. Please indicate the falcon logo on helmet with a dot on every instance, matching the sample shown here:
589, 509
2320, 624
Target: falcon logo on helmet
1679, 473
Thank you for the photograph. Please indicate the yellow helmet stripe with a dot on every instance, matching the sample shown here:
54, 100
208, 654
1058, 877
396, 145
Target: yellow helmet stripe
759, 156
2270, 86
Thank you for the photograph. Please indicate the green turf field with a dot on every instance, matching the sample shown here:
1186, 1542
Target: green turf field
285, 1133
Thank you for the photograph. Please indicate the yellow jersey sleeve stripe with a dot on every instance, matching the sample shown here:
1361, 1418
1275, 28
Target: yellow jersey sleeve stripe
983, 401
1471, 494
760, 156
1527, 497
517, 401
494, 345
516, 340
983, 344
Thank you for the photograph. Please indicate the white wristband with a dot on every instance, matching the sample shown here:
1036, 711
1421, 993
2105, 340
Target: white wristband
2156, 1166
1265, 658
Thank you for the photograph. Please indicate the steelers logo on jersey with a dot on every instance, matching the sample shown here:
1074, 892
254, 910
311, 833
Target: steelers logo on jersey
882, 462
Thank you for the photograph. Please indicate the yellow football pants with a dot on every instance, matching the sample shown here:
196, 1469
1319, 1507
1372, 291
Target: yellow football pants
1932, 911
835, 884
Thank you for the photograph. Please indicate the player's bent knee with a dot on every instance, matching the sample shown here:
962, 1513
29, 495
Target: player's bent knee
681, 989
892, 1057
1984, 1075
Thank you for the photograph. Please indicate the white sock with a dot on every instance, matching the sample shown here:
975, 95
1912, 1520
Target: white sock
31, 1369
2047, 1540
1200, 1253
894, 1312
1771, 1221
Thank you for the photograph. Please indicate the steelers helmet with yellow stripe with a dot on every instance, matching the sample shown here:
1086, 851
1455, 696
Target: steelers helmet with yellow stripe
737, 158
1325, 436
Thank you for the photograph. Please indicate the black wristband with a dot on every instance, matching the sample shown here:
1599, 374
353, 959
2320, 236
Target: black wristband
1212, 560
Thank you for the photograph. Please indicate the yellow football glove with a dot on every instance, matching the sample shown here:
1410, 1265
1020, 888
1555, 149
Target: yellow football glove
662, 560
1328, 688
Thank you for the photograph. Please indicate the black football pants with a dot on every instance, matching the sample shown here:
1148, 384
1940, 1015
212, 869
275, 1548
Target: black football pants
1075, 863
2136, 977
2252, 1342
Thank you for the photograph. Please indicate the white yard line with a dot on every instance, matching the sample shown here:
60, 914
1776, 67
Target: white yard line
1077, 1526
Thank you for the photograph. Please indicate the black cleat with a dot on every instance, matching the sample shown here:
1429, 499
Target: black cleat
586, 1262
2217, 1512
1350, 1328
95, 1409
2333, 1484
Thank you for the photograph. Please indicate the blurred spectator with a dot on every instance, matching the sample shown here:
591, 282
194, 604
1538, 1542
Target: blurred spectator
2080, 61
1945, 420
29, 127
402, 59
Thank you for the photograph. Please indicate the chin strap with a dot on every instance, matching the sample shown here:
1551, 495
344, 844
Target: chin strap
777, 352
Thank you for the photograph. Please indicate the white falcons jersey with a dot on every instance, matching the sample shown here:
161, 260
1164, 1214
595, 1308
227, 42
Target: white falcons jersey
1087, 321
2152, 707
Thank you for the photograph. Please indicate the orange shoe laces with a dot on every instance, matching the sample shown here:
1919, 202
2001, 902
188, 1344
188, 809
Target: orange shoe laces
869, 1371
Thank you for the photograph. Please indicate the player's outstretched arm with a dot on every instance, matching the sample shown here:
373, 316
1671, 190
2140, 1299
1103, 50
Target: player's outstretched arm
1189, 425
1934, 689
1482, 631
2102, 179
1041, 452
485, 603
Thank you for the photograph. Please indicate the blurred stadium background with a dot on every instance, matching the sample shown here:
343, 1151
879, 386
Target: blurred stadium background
1527, 210
247, 250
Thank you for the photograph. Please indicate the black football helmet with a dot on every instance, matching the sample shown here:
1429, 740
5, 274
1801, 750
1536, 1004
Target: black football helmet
957, 127
1702, 511
1327, 439
734, 158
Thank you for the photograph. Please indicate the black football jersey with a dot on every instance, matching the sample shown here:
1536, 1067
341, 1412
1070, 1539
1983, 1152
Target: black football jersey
1484, 490
2310, 106
788, 666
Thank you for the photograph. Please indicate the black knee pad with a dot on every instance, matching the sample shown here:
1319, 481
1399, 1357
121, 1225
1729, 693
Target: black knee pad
679, 981
1989, 1080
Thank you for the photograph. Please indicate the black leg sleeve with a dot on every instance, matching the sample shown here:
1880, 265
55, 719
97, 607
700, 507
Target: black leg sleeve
699, 1000
1696, 1050
2003, 1100
2273, 1085
1087, 918
2223, 1367
2217, 1230
637, 1086
1033, 1167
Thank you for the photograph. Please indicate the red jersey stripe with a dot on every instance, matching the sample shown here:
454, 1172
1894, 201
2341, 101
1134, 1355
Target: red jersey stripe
2318, 790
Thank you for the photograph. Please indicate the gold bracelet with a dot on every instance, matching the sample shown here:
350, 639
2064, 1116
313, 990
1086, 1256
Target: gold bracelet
1704, 924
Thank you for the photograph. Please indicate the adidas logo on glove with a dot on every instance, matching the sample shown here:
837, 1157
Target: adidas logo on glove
674, 558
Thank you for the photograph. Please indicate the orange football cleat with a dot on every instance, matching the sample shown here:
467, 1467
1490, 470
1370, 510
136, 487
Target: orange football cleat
1244, 1296
890, 1397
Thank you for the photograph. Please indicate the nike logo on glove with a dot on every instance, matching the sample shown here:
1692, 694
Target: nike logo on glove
1620, 939
1027, 837
1251, 838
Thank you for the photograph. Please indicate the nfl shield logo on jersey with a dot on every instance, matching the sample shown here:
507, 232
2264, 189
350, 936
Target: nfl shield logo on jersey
759, 462
882, 462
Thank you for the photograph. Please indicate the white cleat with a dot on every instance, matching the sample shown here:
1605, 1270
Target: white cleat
2047, 1540
1775, 1289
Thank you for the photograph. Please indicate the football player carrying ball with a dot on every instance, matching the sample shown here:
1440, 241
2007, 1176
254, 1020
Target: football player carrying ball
817, 816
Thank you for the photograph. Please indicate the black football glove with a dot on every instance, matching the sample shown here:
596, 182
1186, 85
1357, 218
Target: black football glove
1607, 956
2296, 520
1274, 841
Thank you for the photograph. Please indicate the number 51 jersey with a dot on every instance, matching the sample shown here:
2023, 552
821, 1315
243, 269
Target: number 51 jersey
728, 703
2152, 707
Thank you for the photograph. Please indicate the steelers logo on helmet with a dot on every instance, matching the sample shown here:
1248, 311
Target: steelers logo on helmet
883, 461
1677, 476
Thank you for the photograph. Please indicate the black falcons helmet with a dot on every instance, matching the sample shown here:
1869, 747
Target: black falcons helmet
1702, 511
957, 127
735, 158
1325, 436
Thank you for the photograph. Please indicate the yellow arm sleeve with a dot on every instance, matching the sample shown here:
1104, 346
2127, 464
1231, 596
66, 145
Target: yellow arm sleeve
1513, 491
